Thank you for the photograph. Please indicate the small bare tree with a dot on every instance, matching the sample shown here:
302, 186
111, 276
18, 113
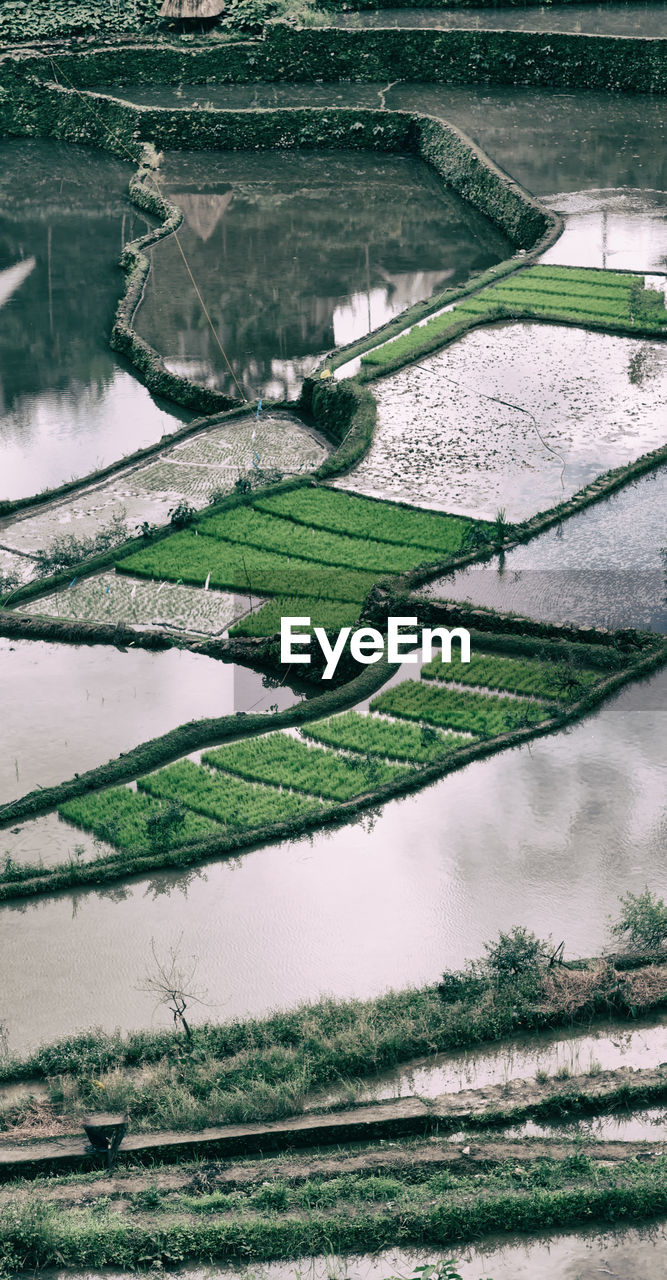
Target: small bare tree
173, 983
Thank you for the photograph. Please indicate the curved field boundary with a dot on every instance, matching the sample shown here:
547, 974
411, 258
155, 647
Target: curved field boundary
198, 734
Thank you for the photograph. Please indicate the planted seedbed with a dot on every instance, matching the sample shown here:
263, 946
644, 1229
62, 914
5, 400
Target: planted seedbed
273, 533
230, 801
389, 739
617, 300
135, 822
550, 679
366, 518
266, 621
287, 762
186, 557
478, 713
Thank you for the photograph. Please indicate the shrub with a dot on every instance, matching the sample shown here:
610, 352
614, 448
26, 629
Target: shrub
515, 953
642, 924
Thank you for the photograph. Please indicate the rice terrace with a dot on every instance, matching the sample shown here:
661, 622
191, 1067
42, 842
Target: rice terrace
352, 316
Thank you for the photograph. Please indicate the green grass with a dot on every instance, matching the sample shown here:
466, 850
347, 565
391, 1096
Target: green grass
266, 621
285, 761
484, 714
272, 533
121, 817
60, 18
330, 509
392, 740
614, 299
558, 681
345, 1216
229, 800
186, 557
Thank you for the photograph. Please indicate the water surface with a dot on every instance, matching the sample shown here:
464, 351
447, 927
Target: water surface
297, 254
67, 708
67, 404
610, 19
548, 835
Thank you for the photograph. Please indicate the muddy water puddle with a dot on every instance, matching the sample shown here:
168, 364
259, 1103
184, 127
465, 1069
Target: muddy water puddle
649, 1125
68, 708
602, 567
67, 404
521, 1059
513, 417
298, 254
408, 890
611, 19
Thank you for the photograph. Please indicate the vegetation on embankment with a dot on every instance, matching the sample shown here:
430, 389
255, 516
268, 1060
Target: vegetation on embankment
265, 1069
356, 1212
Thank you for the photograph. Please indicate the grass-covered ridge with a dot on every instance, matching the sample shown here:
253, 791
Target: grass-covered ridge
585, 296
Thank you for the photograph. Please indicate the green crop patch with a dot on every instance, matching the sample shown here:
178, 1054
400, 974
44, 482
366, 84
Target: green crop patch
358, 517
484, 714
136, 823
389, 739
288, 762
186, 557
272, 533
333, 615
230, 801
558, 681
615, 300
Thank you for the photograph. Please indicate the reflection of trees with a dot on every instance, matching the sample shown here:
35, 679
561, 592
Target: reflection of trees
167, 882
279, 248
65, 207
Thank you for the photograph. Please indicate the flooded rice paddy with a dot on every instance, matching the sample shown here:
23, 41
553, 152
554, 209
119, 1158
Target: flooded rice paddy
550, 140
301, 253
89, 703
198, 469
624, 1253
520, 1059
409, 890
610, 19
602, 567
515, 417
67, 404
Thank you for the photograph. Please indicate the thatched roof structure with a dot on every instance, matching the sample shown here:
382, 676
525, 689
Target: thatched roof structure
192, 8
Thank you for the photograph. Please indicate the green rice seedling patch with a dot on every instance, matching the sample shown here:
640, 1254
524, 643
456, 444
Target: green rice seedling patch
558, 681
330, 614
186, 557
288, 762
136, 823
228, 800
483, 714
616, 299
389, 739
359, 517
272, 533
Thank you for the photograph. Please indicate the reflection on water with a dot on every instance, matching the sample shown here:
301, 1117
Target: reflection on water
67, 708
642, 1047
610, 19
67, 405
297, 254
549, 835
620, 230
548, 139
603, 567
624, 1253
